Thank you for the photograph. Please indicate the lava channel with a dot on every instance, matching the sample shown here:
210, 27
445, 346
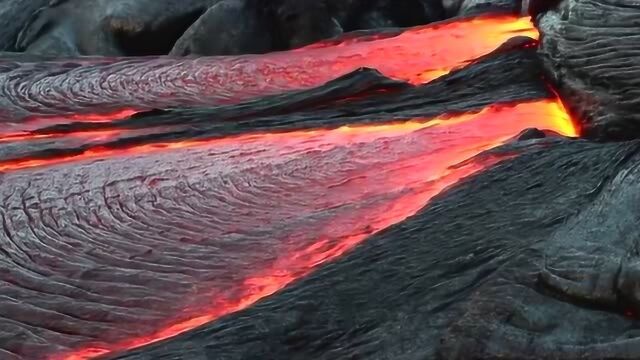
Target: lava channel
113, 250
416, 55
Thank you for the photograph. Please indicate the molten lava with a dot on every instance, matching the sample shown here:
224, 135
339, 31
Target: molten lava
552, 113
367, 178
89, 135
417, 55
23, 129
421, 54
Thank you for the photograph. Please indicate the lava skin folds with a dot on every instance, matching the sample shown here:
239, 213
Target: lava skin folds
112, 250
416, 55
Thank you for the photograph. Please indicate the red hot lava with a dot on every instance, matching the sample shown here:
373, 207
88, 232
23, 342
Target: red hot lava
22, 130
334, 187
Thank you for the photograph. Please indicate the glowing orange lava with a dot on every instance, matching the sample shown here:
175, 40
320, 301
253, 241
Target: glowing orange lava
455, 139
101, 135
102, 117
21, 131
552, 116
424, 53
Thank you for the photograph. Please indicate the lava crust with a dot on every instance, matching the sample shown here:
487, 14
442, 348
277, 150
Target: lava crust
593, 59
469, 274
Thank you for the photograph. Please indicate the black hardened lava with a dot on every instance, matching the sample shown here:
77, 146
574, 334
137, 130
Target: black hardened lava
593, 61
13, 17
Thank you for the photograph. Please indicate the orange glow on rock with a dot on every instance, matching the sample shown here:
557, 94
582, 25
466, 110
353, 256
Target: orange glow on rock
104, 117
424, 53
551, 115
101, 135
20, 131
448, 141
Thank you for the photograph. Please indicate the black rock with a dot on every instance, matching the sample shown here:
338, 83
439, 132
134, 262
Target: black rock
592, 53
234, 27
14, 15
109, 27
374, 14
533, 133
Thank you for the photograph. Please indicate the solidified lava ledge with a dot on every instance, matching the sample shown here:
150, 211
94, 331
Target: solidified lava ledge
407, 179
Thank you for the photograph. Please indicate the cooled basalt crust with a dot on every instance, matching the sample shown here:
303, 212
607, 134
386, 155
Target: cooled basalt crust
591, 49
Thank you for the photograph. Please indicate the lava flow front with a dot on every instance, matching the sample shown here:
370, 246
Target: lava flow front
417, 55
112, 250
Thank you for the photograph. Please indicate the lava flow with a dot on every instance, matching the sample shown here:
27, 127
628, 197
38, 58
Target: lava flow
417, 55
133, 246
550, 110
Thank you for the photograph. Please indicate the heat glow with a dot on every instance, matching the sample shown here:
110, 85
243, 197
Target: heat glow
417, 55
414, 179
21, 130
552, 113
423, 53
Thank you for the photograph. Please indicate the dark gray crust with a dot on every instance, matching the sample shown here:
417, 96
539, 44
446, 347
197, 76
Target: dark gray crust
591, 49
14, 16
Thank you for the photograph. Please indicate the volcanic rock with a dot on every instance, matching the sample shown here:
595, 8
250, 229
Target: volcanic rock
591, 50
14, 14
234, 27
140, 232
476, 7
116, 229
109, 27
375, 14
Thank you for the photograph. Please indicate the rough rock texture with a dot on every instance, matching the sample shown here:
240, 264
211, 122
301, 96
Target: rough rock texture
14, 14
592, 51
233, 27
134, 27
152, 27
109, 27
